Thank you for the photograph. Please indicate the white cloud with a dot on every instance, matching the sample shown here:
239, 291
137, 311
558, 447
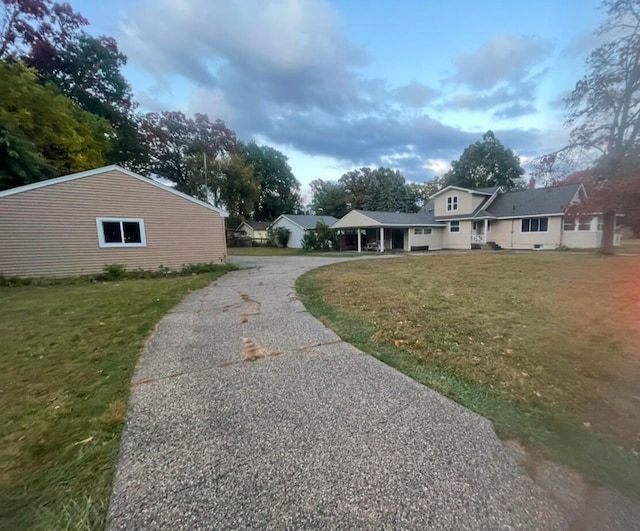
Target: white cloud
503, 58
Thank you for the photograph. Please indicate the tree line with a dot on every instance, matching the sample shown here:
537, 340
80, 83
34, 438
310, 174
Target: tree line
66, 107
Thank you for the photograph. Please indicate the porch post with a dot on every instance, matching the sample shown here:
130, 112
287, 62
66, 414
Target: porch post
359, 242
486, 227
409, 239
382, 239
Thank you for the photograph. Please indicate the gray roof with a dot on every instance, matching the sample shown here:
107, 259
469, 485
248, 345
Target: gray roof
409, 219
310, 222
532, 202
256, 225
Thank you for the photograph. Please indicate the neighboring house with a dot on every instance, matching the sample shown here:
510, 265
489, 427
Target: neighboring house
257, 230
458, 218
79, 223
299, 225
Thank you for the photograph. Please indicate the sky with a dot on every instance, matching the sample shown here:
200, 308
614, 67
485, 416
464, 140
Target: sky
337, 84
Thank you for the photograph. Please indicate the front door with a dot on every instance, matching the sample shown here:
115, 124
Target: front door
397, 239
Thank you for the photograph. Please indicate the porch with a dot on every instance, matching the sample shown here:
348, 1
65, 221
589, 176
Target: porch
379, 239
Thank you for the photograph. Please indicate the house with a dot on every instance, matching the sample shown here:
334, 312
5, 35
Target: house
257, 230
299, 225
77, 224
459, 218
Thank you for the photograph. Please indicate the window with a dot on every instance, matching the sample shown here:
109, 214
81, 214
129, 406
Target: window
535, 225
600, 225
452, 203
584, 224
417, 231
569, 224
454, 226
488, 225
427, 231
121, 232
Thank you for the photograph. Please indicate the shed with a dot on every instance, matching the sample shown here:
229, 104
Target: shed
77, 224
298, 224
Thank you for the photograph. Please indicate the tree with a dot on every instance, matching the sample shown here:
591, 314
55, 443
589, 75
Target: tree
356, 185
20, 163
486, 164
388, 192
239, 190
65, 137
172, 139
279, 189
33, 30
604, 107
422, 192
88, 71
329, 198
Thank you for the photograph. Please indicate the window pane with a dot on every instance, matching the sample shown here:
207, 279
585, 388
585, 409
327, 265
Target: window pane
427, 231
131, 231
544, 224
525, 225
534, 224
111, 231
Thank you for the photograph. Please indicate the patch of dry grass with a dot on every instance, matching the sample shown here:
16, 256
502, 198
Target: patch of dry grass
551, 337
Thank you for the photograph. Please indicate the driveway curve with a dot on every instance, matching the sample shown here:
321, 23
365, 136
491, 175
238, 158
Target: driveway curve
247, 413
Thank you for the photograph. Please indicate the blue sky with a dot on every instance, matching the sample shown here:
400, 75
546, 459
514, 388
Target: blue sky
340, 84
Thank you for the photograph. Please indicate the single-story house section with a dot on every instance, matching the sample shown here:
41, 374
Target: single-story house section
257, 230
364, 230
459, 218
299, 224
77, 224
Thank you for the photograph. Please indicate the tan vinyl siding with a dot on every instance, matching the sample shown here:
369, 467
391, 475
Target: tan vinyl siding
433, 240
507, 234
353, 220
465, 204
457, 240
51, 231
581, 239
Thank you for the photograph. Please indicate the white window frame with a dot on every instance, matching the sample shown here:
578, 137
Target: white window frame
452, 226
100, 229
417, 231
452, 203
426, 231
534, 231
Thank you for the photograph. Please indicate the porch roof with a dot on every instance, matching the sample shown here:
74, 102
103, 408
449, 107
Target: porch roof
357, 219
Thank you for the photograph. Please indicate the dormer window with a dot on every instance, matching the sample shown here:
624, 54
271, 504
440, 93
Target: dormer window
452, 203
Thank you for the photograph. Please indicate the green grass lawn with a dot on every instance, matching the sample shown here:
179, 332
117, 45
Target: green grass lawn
543, 344
68, 355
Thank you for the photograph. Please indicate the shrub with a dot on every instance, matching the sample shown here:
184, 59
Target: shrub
322, 238
113, 272
279, 236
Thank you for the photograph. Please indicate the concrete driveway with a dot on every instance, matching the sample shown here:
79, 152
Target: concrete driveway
247, 413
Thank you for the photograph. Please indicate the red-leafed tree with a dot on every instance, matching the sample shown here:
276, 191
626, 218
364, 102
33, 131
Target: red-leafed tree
604, 117
33, 30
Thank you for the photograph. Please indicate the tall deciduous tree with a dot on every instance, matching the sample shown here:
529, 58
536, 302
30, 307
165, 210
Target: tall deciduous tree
89, 71
64, 136
356, 185
486, 164
604, 107
239, 189
20, 163
173, 138
329, 198
279, 188
33, 30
